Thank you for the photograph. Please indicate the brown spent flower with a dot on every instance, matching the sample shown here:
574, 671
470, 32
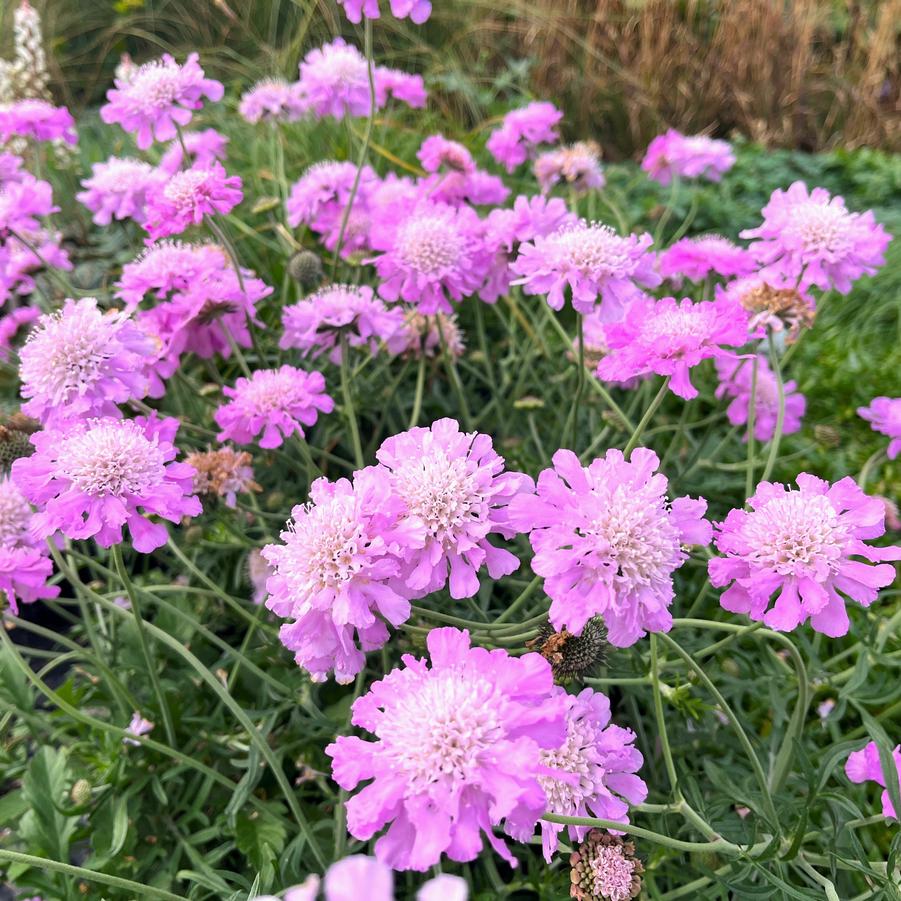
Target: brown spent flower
778, 308
571, 656
605, 868
424, 334
223, 472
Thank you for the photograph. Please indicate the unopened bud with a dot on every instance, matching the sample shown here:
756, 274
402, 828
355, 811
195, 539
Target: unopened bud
306, 269
81, 792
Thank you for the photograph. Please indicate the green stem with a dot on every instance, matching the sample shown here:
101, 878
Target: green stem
648, 415
417, 397
661, 720
780, 415
349, 411
752, 417
570, 431
526, 593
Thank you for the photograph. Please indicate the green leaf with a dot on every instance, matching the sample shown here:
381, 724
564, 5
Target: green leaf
259, 836
46, 829
14, 688
110, 828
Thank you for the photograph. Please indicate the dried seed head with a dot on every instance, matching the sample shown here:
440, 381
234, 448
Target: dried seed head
15, 430
572, 656
605, 868
778, 308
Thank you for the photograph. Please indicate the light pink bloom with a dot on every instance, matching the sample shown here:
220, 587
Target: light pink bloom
457, 752
10, 325
607, 541
19, 263
670, 337
801, 546
318, 198
16, 527
273, 100
138, 726
159, 97
24, 572
37, 119
204, 148
417, 10
443, 888
274, 402
21, 203
696, 258
403, 86
521, 132
345, 879
591, 260
812, 239
437, 153
676, 155
334, 80
885, 415
577, 166
118, 189
94, 476
865, 766
456, 493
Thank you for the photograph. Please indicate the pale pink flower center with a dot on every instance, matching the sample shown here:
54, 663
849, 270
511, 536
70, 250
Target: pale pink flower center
270, 391
156, 85
612, 874
572, 758
671, 325
185, 188
594, 249
429, 245
821, 228
15, 514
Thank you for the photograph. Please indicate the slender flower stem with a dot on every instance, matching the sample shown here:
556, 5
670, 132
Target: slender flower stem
454, 376
571, 429
752, 417
349, 410
526, 593
648, 415
780, 415
417, 397
661, 719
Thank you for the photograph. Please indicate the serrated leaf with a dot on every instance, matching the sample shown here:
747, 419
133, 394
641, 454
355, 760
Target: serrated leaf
13, 684
44, 787
260, 837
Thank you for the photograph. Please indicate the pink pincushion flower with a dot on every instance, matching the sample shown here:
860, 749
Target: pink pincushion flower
885, 415
801, 544
403, 86
456, 493
94, 476
37, 119
137, 726
335, 573
81, 361
315, 324
676, 155
578, 166
119, 188
865, 766
437, 153
607, 541
24, 572
669, 337
417, 10
274, 402
16, 527
812, 239
433, 253
737, 381
593, 261
696, 258
21, 203
318, 198
204, 148
597, 763
188, 196
334, 80
159, 97
458, 752
10, 325
18, 261
273, 100
521, 132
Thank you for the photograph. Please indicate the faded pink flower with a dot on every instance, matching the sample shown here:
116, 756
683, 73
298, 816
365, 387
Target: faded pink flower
696, 258
865, 766
137, 727
273, 100
577, 166
674, 155
522, 131
884, 413
119, 188
37, 119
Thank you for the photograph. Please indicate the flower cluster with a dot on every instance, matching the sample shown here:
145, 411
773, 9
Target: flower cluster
120, 189
697, 258
674, 155
522, 131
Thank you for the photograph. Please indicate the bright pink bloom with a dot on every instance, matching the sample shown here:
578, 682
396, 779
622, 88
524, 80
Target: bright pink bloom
10, 325
676, 155
21, 203
812, 239
24, 572
334, 81
188, 196
593, 261
19, 262
11, 168
885, 415
458, 752
16, 526
865, 766
669, 337
607, 541
802, 544
456, 493
521, 132
403, 86
577, 166
318, 198
94, 476
315, 324
437, 153
273, 100
274, 402
204, 148
417, 10
696, 258
596, 763
157, 98
81, 361
336, 574
737, 381
37, 119
119, 188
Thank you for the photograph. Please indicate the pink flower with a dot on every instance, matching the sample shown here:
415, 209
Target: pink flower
274, 402
865, 766
159, 97
21, 203
737, 381
402, 86
578, 166
315, 324
345, 878
204, 148
592, 260
437, 153
458, 752
802, 544
318, 198
885, 415
669, 337
118, 189
24, 572
188, 196
417, 10
696, 258
597, 763
607, 541
81, 361
18, 262
521, 132
336, 574
10, 325
138, 726
273, 100
812, 239
11, 168
456, 493
94, 476
37, 119
334, 80
676, 155
16, 526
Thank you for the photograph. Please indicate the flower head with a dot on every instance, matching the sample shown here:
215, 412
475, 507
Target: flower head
273, 100
578, 166
593, 261
203, 149
318, 198
885, 415
456, 492
21, 203
457, 752
773, 303
522, 131
274, 402
137, 726
605, 868
91, 477
607, 541
696, 258
800, 545
426, 335
811, 238
81, 361
37, 119
437, 153
223, 472
159, 97
119, 189
334, 80
669, 337
417, 10
16, 528
676, 155
24, 572
865, 765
